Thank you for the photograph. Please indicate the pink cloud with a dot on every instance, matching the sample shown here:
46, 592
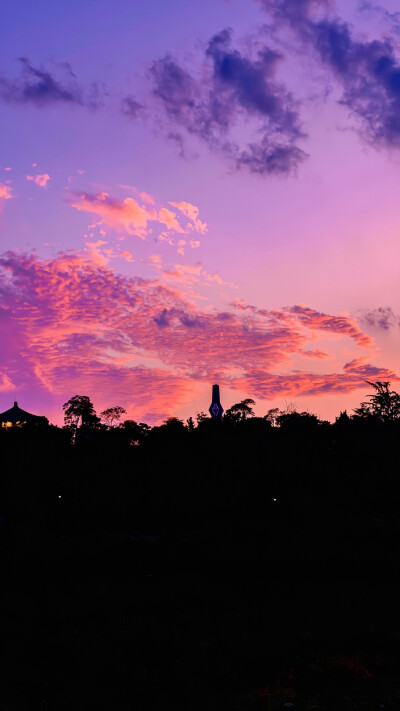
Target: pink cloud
168, 218
342, 325
95, 253
317, 354
192, 212
72, 325
6, 384
303, 383
126, 214
155, 258
147, 198
184, 273
313, 320
192, 273
5, 192
128, 256
40, 180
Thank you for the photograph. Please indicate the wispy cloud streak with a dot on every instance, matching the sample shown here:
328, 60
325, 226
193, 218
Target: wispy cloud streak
40, 87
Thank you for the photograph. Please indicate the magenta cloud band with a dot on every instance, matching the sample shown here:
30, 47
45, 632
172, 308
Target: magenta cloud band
71, 325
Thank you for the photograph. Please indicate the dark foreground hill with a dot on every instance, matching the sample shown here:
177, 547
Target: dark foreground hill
230, 566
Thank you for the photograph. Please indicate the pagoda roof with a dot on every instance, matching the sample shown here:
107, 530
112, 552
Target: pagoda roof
16, 414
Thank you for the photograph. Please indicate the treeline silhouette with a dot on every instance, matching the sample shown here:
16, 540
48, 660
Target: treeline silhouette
246, 562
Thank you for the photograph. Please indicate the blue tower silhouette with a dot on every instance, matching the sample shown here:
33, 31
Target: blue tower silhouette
216, 410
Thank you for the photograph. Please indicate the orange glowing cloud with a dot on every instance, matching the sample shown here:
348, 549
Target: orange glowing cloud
168, 218
191, 273
5, 193
147, 198
134, 217
335, 324
302, 383
192, 212
313, 321
127, 214
128, 256
6, 384
96, 255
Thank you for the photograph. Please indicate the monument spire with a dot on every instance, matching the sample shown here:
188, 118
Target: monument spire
216, 410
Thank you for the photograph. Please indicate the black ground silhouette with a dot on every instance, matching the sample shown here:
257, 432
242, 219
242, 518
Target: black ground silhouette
230, 564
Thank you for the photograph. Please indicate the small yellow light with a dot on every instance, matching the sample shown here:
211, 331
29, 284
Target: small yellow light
59, 496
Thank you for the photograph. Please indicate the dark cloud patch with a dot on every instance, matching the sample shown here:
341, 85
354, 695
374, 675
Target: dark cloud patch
225, 316
382, 318
365, 370
235, 88
131, 108
167, 317
179, 142
264, 158
370, 75
176, 89
368, 71
191, 322
40, 87
162, 320
246, 81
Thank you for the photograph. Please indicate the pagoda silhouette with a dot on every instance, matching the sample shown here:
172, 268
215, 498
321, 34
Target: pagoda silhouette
16, 417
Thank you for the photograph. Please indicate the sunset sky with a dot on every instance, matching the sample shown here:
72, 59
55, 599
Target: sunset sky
197, 192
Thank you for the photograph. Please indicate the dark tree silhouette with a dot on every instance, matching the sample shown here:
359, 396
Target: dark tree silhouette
79, 411
272, 416
240, 411
383, 403
190, 424
298, 422
136, 433
154, 556
172, 426
112, 414
343, 420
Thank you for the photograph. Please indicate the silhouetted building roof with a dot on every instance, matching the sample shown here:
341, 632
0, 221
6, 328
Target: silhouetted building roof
16, 416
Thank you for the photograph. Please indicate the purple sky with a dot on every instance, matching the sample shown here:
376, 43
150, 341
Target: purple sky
194, 193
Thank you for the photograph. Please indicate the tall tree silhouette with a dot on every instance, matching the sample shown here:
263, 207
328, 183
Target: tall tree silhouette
383, 403
240, 411
112, 414
79, 411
